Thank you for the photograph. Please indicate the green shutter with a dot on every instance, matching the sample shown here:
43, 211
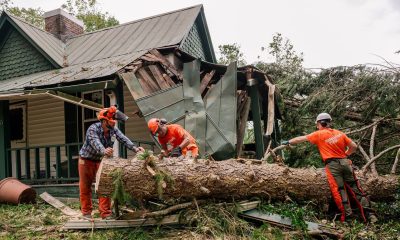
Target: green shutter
18, 58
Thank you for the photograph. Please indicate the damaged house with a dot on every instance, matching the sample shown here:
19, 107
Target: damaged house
53, 81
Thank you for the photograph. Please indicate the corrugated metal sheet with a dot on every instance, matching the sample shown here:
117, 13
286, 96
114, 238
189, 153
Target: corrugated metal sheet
50, 44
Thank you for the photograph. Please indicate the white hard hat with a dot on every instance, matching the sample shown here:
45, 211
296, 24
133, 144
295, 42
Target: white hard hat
323, 116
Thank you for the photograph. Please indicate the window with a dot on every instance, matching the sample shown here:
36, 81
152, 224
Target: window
89, 116
17, 123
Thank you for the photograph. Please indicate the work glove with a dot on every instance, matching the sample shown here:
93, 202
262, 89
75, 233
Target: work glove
285, 142
176, 152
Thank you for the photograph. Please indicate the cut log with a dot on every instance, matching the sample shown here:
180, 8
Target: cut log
228, 179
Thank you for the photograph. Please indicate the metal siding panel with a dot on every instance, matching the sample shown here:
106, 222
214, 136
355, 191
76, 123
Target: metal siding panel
166, 104
195, 114
221, 104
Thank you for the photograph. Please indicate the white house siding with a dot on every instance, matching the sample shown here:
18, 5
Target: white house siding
45, 126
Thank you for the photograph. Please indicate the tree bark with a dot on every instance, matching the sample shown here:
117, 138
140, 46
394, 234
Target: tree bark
234, 178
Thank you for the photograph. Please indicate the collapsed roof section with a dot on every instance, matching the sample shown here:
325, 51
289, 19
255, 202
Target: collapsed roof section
213, 102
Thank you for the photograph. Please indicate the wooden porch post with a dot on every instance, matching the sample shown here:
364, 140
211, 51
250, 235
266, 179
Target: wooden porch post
255, 112
119, 92
4, 138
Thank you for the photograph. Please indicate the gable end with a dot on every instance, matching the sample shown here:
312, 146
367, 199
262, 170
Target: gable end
18, 57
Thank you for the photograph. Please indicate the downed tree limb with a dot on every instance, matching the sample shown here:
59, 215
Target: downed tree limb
378, 156
396, 161
371, 148
272, 152
171, 209
228, 179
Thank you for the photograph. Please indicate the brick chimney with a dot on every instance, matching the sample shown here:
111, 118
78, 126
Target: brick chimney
62, 24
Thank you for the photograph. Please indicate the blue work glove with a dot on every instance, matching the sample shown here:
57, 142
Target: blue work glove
285, 142
176, 152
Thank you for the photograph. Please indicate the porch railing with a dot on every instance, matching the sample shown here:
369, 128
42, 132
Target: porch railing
51, 163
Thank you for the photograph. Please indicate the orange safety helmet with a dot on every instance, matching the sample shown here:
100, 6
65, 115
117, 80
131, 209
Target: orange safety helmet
108, 115
153, 125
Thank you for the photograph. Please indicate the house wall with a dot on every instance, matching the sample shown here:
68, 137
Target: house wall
135, 127
45, 125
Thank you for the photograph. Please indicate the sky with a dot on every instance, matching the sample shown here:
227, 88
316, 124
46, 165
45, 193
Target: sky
328, 32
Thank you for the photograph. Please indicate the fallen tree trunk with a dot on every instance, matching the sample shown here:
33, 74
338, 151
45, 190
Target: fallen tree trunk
235, 178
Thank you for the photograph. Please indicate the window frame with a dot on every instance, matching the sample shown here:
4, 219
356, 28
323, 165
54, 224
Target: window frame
21, 105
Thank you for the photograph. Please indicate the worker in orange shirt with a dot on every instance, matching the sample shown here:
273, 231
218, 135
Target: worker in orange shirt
174, 135
335, 147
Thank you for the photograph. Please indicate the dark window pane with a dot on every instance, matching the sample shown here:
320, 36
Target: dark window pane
16, 124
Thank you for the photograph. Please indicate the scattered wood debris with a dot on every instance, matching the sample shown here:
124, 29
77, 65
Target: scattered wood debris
59, 205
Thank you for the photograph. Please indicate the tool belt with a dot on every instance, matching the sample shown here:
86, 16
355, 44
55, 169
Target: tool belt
327, 161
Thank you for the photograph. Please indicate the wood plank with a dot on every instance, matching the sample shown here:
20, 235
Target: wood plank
166, 63
149, 80
206, 80
168, 80
133, 84
145, 86
271, 110
243, 115
59, 205
103, 224
158, 75
148, 59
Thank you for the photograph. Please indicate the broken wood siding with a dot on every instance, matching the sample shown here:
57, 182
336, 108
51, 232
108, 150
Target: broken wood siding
135, 127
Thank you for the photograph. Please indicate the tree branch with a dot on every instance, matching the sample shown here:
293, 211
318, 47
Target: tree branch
396, 161
371, 148
378, 156
270, 152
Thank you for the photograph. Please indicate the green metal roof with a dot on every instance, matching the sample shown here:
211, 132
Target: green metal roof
104, 51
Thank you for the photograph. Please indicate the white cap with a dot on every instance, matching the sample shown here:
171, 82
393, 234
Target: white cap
323, 116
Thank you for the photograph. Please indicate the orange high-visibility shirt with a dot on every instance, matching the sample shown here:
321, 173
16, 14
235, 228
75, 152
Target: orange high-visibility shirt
175, 136
331, 143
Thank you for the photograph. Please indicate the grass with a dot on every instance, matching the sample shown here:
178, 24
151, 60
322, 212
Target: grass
211, 221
